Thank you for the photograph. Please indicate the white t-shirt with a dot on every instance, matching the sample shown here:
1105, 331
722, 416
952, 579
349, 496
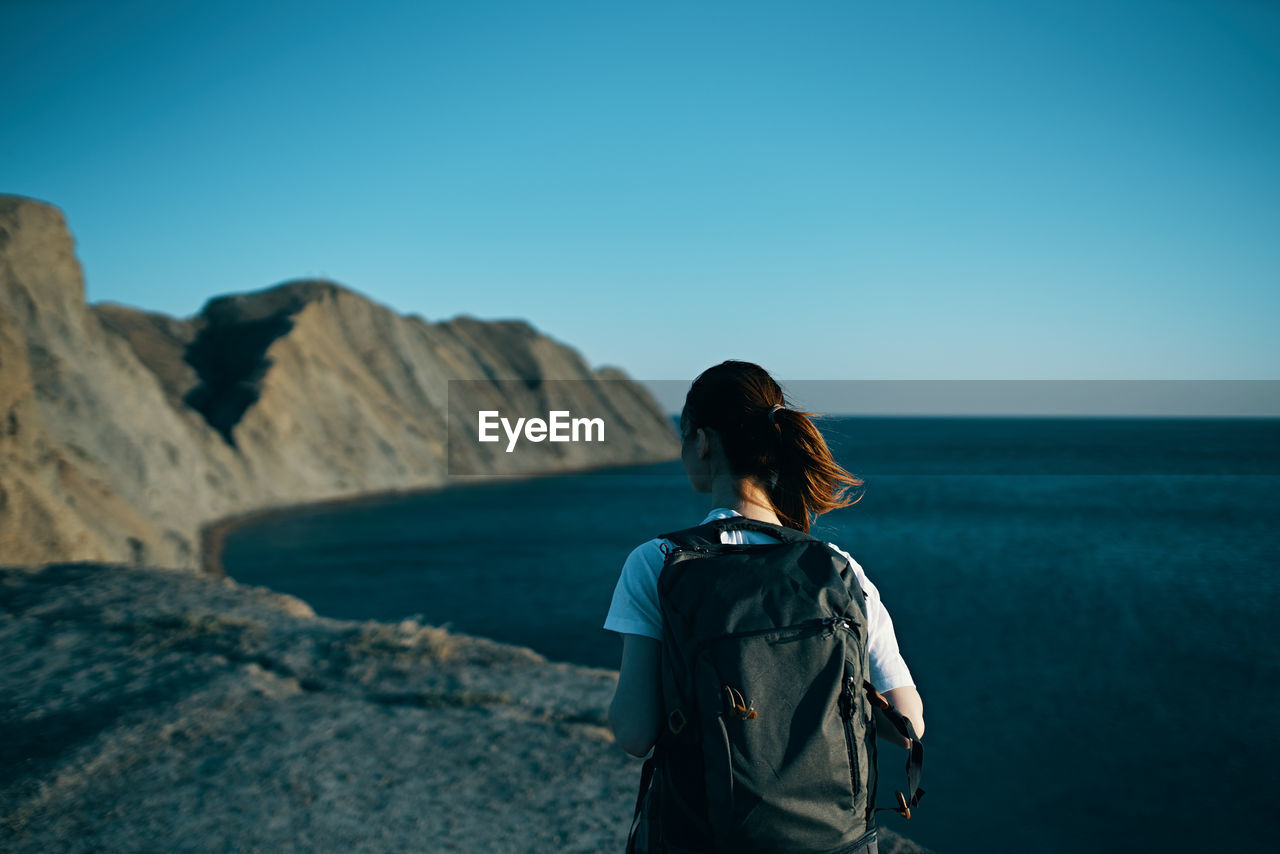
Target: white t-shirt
634, 609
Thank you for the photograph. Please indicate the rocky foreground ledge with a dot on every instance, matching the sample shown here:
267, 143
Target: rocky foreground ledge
146, 710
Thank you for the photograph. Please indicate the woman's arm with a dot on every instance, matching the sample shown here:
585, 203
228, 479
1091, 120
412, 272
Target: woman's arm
636, 711
908, 703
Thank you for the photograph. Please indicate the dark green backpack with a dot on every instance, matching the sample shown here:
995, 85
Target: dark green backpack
768, 742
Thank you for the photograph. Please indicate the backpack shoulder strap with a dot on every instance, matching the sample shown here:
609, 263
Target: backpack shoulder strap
915, 755
709, 533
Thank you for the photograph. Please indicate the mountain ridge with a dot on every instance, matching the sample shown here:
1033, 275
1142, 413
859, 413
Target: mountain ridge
123, 432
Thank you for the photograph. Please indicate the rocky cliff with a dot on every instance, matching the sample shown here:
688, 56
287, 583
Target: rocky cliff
122, 433
157, 711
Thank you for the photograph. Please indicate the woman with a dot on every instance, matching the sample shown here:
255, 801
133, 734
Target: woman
756, 458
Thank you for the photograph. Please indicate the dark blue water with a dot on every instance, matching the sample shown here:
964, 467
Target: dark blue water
1089, 608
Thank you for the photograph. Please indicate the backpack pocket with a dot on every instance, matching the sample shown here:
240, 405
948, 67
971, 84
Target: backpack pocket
772, 701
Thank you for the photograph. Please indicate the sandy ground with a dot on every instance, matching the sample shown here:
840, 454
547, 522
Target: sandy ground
146, 710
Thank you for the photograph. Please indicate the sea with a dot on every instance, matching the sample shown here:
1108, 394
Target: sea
1089, 607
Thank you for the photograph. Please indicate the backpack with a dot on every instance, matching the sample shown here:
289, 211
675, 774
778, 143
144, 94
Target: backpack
768, 742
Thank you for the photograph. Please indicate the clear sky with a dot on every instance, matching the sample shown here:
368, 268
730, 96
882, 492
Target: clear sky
839, 191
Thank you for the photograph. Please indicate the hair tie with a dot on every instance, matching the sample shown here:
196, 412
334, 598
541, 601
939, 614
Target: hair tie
773, 412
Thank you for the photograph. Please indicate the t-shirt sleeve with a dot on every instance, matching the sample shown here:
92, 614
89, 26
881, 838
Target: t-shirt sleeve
888, 668
634, 609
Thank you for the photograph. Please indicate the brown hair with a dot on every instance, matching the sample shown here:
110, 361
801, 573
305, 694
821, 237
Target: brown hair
781, 448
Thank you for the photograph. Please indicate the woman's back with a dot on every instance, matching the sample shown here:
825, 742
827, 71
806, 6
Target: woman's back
763, 461
634, 609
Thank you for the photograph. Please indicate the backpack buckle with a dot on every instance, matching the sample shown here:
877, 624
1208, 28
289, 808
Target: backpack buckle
738, 705
875, 696
676, 722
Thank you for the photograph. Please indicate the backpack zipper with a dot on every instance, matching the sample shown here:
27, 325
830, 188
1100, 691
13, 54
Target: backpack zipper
829, 625
848, 707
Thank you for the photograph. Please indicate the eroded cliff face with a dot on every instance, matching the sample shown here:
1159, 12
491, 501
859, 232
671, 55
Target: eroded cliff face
95, 463
123, 432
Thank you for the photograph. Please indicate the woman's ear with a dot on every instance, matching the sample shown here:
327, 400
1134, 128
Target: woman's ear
703, 443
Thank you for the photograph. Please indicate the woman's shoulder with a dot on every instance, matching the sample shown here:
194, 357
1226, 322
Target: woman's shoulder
855, 567
844, 554
650, 554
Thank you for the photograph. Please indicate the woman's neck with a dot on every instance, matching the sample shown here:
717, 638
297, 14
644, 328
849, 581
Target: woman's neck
743, 496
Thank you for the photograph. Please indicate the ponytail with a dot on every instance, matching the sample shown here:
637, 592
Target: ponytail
808, 480
765, 439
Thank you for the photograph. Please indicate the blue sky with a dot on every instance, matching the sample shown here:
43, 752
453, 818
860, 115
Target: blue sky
839, 191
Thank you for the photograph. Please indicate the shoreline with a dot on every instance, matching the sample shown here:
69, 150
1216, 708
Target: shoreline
212, 535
